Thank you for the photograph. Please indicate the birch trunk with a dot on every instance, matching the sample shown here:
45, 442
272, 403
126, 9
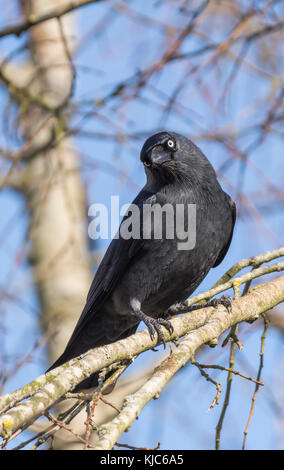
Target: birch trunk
53, 187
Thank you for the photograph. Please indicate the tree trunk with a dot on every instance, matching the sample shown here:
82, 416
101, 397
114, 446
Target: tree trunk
53, 187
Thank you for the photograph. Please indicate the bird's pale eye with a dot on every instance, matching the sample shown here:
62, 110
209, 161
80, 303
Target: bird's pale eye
170, 143
146, 163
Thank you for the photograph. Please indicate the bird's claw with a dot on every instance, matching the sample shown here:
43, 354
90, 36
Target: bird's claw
225, 300
154, 326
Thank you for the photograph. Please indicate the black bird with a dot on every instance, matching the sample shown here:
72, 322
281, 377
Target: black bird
142, 279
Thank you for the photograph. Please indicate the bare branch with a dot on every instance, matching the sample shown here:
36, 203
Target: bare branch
33, 20
207, 326
219, 322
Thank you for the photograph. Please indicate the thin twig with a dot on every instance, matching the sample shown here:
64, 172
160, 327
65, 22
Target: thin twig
63, 425
227, 395
209, 379
263, 337
127, 446
228, 369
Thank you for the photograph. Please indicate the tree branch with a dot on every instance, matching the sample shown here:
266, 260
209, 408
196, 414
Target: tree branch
32, 20
244, 308
199, 330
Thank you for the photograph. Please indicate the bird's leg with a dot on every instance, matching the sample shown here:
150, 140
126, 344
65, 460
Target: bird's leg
154, 325
182, 307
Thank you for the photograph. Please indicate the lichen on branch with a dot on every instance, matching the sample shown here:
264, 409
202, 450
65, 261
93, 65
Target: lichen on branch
196, 329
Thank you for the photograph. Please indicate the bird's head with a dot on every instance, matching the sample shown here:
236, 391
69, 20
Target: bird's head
169, 156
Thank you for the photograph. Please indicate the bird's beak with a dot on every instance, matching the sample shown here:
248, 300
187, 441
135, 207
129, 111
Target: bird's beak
158, 157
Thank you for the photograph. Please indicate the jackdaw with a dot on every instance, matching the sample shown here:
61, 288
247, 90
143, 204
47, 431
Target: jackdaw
146, 278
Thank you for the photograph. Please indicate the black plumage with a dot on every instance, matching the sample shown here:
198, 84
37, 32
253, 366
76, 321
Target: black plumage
142, 279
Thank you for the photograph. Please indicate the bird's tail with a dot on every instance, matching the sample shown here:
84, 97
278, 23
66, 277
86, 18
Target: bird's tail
89, 338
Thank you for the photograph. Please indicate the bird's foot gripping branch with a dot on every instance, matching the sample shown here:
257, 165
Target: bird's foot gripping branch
19, 409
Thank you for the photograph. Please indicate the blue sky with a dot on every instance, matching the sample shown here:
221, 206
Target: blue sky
179, 419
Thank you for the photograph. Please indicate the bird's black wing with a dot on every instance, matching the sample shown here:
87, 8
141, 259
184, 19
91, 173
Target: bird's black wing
224, 250
116, 259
